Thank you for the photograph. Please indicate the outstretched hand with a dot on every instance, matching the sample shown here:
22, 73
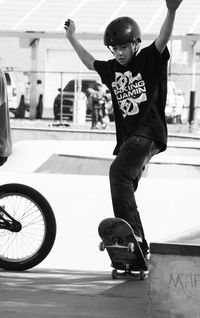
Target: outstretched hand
172, 5
69, 27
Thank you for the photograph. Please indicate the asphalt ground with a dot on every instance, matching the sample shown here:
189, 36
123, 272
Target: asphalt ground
41, 293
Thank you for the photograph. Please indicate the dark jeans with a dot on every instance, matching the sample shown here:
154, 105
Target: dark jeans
98, 113
3, 160
125, 172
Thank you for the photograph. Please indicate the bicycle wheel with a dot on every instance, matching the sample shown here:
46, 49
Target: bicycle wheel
30, 246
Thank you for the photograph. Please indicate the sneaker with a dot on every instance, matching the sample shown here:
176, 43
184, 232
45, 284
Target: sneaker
145, 249
138, 238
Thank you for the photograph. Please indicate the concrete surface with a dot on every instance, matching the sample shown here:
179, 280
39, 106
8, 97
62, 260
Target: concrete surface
41, 293
74, 280
168, 201
174, 281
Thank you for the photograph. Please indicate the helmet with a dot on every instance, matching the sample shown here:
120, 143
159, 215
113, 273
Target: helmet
121, 30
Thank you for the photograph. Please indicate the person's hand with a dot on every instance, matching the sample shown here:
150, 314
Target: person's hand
172, 5
69, 27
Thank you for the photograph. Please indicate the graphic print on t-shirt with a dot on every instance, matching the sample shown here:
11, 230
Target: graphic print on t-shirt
130, 91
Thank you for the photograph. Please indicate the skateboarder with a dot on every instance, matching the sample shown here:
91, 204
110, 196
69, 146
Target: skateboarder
137, 80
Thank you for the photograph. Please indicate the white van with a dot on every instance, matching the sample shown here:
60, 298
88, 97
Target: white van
18, 86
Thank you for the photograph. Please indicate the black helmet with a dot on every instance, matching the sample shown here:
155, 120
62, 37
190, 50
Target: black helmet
122, 30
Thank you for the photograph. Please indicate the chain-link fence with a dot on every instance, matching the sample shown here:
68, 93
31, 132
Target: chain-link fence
64, 95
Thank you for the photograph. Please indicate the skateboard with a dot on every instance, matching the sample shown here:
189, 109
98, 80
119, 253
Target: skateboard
123, 249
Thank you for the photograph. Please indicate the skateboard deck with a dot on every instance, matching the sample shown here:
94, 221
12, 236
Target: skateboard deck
123, 249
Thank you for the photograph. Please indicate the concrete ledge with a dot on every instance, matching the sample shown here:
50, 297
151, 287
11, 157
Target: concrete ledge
174, 281
32, 133
174, 249
38, 133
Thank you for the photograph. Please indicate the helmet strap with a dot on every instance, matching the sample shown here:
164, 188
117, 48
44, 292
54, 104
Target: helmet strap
110, 49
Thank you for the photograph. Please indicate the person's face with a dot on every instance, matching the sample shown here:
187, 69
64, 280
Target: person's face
124, 52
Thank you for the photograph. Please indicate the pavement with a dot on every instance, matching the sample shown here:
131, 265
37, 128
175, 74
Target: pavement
75, 279
41, 293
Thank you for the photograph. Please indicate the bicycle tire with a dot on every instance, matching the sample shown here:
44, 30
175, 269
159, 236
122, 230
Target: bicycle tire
38, 228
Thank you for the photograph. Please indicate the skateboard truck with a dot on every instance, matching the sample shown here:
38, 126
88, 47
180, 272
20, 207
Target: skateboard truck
130, 247
128, 273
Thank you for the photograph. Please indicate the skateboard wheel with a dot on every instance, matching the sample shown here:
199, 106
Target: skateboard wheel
101, 246
131, 247
142, 275
114, 274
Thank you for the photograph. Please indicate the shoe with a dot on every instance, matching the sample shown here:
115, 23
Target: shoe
145, 249
138, 238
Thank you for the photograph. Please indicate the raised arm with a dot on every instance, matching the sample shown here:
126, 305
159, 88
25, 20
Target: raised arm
83, 54
167, 27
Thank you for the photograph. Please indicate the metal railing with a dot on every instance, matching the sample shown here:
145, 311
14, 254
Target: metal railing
66, 88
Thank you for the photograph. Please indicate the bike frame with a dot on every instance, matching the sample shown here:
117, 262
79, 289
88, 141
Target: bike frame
9, 224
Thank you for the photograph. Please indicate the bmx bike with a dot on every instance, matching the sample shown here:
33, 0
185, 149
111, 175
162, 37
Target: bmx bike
27, 227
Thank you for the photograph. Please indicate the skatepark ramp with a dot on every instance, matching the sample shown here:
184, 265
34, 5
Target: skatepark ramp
95, 165
75, 164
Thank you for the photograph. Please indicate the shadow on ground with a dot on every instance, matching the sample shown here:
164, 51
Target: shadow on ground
56, 293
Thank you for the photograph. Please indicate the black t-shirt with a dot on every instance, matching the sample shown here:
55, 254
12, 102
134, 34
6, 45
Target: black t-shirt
138, 93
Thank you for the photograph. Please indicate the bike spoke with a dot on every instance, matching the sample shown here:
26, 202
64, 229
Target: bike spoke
21, 245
